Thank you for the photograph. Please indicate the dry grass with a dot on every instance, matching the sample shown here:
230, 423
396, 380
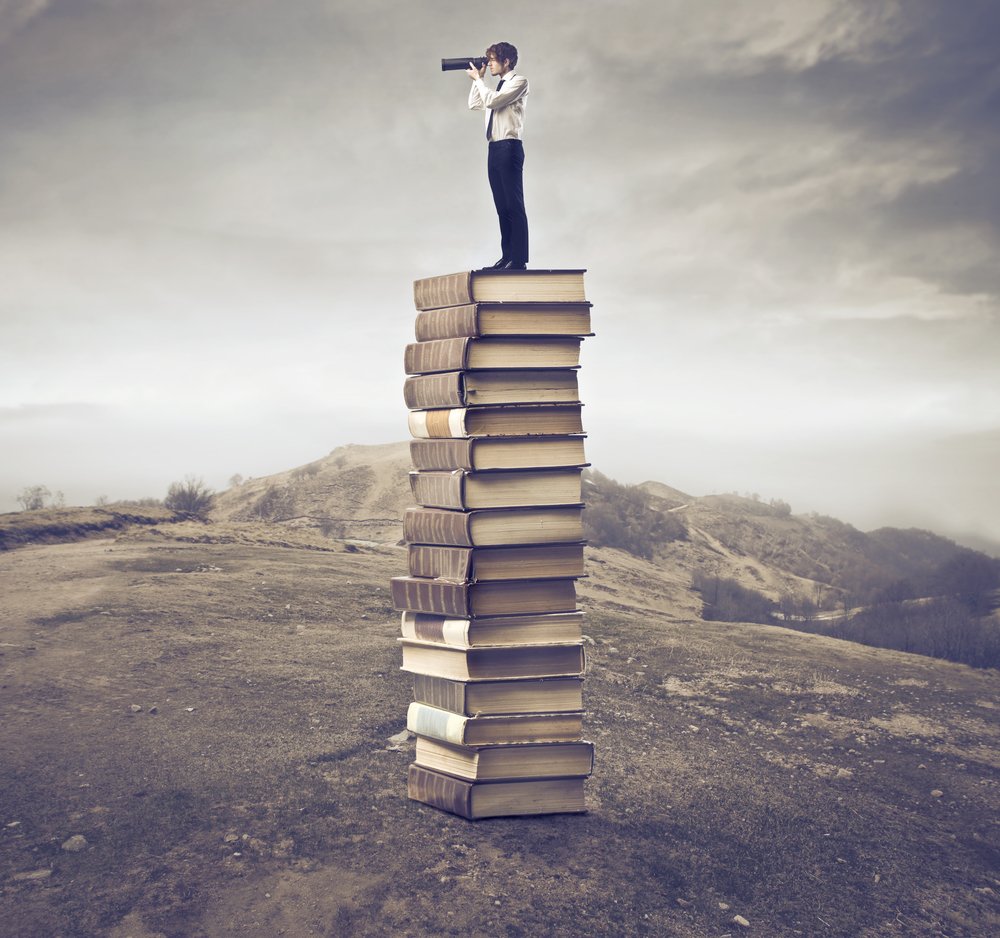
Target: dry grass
788, 777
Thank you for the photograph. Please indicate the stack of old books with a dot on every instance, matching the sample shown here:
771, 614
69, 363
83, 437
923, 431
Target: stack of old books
491, 629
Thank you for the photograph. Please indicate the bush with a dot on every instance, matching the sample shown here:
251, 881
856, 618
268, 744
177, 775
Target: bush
32, 497
190, 497
621, 516
726, 600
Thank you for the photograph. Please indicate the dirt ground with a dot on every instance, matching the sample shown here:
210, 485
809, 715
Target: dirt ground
195, 742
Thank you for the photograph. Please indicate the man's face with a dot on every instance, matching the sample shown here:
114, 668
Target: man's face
498, 68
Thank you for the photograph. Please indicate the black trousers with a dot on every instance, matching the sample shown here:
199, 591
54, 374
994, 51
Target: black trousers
506, 168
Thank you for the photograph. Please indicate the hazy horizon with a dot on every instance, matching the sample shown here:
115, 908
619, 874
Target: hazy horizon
788, 211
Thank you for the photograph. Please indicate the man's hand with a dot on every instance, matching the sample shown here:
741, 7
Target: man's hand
474, 72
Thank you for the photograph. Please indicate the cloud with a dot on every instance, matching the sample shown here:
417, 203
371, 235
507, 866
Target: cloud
16, 14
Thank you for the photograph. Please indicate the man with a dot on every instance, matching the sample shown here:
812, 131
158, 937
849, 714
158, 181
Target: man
504, 129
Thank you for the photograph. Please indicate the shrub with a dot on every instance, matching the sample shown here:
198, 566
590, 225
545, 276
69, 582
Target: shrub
32, 497
621, 516
191, 497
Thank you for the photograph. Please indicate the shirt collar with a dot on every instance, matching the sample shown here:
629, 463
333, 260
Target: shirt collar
507, 77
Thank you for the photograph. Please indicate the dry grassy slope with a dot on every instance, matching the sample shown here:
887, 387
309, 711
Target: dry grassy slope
356, 491
813, 787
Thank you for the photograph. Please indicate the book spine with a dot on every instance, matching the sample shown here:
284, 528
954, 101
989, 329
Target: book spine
445, 563
440, 355
425, 628
423, 392
440, 791
450, 323
436, 526
437, 424
434, 596
447, 290
438, 724
441, 454
440, 692
439, 490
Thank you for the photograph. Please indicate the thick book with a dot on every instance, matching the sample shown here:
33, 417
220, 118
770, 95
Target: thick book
499, 286
464, 490
472, 698
499, 662
478, 319
474, 800
476, 388
492, 352
488, 598
551, 629
449, 727
493, 527
498, 453
499, 420
484, 564
506, 762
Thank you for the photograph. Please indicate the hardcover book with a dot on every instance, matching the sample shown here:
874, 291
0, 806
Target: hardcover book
493, 527
506, 762
480, 564
488, 598
526, 488
476, 388
448, 727
478, 319
501, 662
492, 352
499, 286
473, 800
500, 420
472, 698
546, 629
516, 452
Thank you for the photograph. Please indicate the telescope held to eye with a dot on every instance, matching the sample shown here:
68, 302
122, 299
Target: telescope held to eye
460, 65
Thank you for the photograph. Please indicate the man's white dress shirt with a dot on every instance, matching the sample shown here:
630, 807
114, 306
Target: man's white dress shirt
507, 105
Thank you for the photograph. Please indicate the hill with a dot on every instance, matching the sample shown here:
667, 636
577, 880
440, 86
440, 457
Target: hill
197, 741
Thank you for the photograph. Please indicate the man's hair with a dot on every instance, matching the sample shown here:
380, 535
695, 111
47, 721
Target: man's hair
503, 52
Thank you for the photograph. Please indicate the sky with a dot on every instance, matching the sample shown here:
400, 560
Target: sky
211, 215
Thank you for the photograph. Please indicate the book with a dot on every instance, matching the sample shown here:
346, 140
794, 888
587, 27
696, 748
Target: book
497, 662
551, 629
473, 800
478, 319
464, 490
475, 388
489, 564
499, 286
449, 727
499, 420
492, 352
545, 695
502, 762
488, 598
498, 453
493, 527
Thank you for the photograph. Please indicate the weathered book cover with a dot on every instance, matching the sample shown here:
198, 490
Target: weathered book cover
496, 353
476, 528
519, 597
472, 564
424, 720
545, 629
531, 695
541, 451
522, 286
491, 386
475, 319
499, 420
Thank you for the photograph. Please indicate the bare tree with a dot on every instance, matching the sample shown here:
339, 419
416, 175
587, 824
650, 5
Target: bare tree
32, 497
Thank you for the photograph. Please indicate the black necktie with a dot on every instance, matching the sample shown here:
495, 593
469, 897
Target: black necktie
489, 125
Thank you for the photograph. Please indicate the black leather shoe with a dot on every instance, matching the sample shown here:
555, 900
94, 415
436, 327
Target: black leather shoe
499, 265
515, 265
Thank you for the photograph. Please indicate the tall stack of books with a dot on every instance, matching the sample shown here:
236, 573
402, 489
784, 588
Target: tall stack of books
490, 625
